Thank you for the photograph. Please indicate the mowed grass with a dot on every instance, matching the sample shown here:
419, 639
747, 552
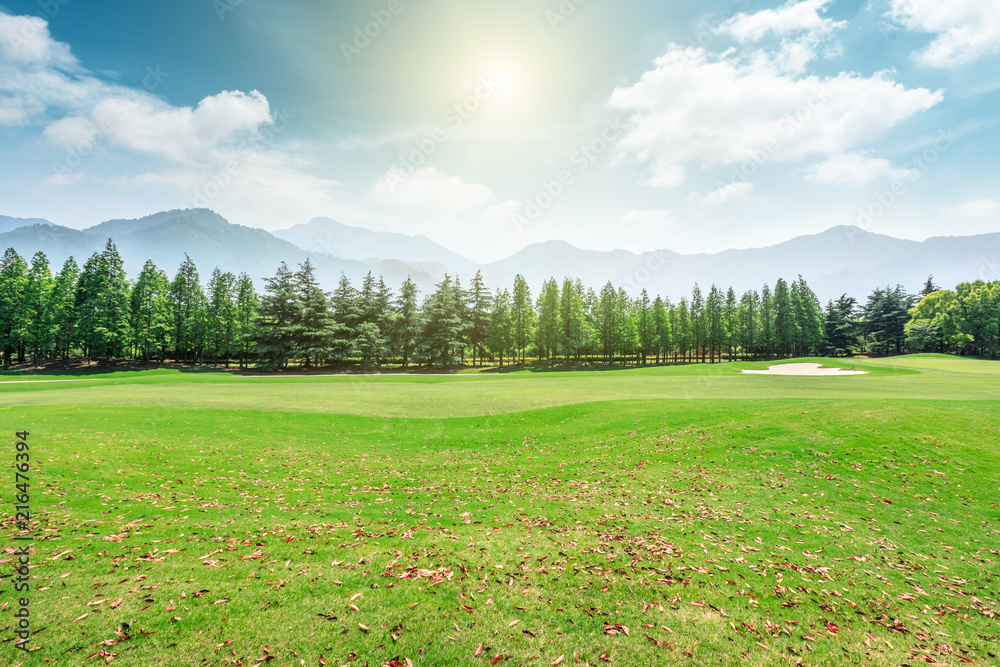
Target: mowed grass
720, 518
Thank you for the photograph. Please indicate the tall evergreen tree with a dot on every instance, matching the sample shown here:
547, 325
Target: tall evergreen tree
406, 321
247, 308
188, 306
151, 317
316, 335
441, 341
223, 330
662, 331
62, 308
785, 327
522, 314
548, 327
699, 330
574, 328
38, 290
501, 338
480, 301
13, 322
104, 304
276, 327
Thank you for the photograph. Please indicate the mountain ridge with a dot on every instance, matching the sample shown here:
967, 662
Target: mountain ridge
841, 259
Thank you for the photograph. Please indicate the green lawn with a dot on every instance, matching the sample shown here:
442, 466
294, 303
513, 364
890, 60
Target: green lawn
721, 518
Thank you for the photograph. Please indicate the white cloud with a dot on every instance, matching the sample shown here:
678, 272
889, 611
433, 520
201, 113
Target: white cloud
664, 174
501, 214
966, 29
856, 169
791, 18
724, 195
227, 152
979, 208
179, 134
695, 107
430, 189
25, 40
637, 217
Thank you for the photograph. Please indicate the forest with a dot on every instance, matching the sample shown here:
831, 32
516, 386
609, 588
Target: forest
96, 312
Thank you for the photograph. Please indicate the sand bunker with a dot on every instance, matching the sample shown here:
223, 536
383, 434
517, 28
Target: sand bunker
804, 369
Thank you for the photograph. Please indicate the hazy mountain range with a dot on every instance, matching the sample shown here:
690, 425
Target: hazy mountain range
840, 260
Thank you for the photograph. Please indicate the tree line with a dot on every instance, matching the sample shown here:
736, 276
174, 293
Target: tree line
96, 312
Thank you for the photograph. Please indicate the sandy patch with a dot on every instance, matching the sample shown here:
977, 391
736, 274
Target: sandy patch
804, 369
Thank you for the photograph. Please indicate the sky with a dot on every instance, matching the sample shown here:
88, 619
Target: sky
488, 126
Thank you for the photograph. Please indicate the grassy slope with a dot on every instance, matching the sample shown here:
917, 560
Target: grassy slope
866, 503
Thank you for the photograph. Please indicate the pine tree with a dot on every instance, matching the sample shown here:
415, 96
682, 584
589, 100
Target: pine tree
747, 314
347, 309
62, 308
663, 332
479, 312
221, 316
247, 307
501, 337
406, 321
188, 306
151, 317
682, 329
38, 290
714, 325
274, 338
765, 327
699, 330
730, 322
523, 315
13, 283
785, 328
441, 343
574, 328
548, 326
104, 304
314, 331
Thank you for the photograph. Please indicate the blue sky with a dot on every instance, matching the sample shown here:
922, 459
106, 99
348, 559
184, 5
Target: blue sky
488, 126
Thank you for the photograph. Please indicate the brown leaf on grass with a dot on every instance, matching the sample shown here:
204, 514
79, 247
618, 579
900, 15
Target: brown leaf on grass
513, 623
114, 605
496, 659
558, 661
363, 627
479, 650
80, 618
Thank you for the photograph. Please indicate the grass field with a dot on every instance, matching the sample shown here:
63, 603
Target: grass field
671, 515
